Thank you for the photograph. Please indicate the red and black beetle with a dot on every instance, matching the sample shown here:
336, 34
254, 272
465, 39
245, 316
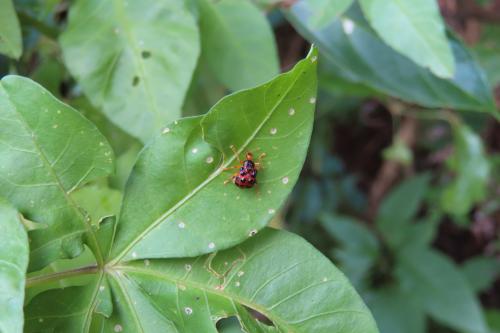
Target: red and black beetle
246, 177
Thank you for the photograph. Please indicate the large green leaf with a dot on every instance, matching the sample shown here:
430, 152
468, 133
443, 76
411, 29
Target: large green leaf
47, 151
133, 59
433, 280
415, 29
13, 263
355, 52
10, 31
238, 43
472, 170
176, 203
275, 273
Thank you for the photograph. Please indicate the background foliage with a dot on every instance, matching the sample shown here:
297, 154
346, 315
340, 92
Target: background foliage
400, 187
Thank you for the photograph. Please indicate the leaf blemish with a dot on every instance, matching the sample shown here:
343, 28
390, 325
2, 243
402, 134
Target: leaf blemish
135, 81
146, 54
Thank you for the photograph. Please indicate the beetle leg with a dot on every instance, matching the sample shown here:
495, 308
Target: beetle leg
259, 164
235, 152
230, 179
232, 167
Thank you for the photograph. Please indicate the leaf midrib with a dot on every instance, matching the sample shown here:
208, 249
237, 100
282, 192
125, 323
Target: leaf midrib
210, 178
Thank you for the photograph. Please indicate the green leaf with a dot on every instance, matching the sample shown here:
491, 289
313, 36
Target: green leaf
348, 46
400, 206
322, 12
47, 151
136, 60
98, 201
238, 43
399, 152
481, 272
176, 203
487, 50
359, 248
472, 170
13, 263
493, 318
433, 280
270, 273
395, 311
11, 43
415, 29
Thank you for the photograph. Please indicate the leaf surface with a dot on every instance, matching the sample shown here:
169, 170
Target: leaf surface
14, 253
433, 280
472, 170
176, 203
420, 34
47, 151
275, 273
238, 43
354, 51
136, 61
10, 31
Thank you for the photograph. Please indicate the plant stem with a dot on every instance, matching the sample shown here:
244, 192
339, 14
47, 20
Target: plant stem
47, 30
37, 280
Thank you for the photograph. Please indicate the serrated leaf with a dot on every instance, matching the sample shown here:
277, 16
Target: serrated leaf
238, 43
433, 280
176, 203
10, 31
136, 61
14, 253
47, 150
271, 273
349, 46
414, 29
472, 170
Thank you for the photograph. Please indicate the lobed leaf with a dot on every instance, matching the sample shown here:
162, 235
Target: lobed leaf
176, 203
135, 62
47, 151
275, 273
14, 253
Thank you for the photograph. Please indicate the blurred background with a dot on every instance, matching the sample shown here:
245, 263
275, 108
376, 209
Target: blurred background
401, 187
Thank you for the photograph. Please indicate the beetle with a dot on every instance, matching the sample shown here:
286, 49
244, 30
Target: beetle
246, 177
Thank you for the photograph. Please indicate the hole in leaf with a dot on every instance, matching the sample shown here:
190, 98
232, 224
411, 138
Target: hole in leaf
135, 81
145, 54
260, 317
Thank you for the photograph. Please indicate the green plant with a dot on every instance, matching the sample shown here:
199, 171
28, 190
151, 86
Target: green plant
117, 121
175, 206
